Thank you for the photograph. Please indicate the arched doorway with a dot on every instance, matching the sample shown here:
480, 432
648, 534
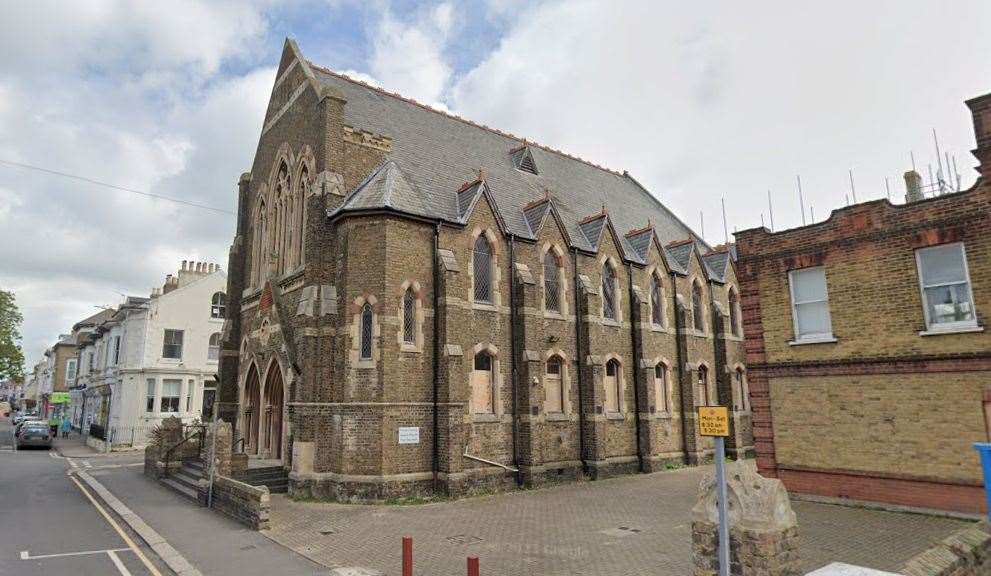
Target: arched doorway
272, 442
251, 412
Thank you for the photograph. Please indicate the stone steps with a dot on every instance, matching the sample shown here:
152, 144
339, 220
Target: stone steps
186, 480
276, 478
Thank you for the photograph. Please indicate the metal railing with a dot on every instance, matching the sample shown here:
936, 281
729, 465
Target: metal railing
190, 431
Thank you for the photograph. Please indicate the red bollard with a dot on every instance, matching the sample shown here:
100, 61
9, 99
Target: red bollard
472, 566
407, 556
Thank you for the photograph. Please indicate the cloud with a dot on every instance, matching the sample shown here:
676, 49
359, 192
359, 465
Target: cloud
134, 95
726, 100
408, 56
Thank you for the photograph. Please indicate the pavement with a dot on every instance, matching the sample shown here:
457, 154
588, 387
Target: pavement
623, 526
49, 525
76, 510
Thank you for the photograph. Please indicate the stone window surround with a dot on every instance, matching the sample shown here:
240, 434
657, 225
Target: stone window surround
565, 381
620, 393
497, 408
604, 260
654, 271
693, 370
562, 282
490, 235
693, 282
744, 399
354, 354
669, 401
418, 316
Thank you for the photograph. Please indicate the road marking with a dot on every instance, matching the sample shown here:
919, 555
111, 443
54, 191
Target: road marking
130, 543
25, 555
87, 464
72, 463
120, 565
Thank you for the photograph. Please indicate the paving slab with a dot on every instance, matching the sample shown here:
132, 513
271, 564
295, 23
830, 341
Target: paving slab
628, 525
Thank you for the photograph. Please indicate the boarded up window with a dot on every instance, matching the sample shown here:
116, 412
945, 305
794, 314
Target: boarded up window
661, 387
554, 386
482, 385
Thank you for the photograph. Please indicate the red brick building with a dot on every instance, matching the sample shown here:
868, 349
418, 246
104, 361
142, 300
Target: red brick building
867, 345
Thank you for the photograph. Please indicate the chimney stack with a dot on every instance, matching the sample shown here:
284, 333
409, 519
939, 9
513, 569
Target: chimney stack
980, 108
913, 187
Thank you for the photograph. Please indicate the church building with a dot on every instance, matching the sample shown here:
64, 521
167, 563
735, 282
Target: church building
419, 304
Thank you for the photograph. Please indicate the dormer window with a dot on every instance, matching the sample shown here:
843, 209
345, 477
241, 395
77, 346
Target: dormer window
523, 160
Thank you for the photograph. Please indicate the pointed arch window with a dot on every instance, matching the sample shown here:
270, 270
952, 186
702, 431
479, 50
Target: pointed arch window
552, 283
734, 312
482, 268
483, 384
218, 305
259, 244
698, 316
366, 332
608, 291
409, 316
300, 219
741, 392
613, 386
661, 387
702, 387
554, 385
656, 301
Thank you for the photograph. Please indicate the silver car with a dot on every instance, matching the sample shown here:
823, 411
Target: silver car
34, 433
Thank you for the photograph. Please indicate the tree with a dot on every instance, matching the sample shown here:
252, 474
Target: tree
11, 355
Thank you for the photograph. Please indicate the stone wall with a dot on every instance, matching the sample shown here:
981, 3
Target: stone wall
249, 505
965, 553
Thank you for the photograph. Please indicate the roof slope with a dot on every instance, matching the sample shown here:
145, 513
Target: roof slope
438, 153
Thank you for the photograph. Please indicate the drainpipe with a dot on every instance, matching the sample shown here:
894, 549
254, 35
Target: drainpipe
637, 376
679, 335
580, 361
436, 362
514, 361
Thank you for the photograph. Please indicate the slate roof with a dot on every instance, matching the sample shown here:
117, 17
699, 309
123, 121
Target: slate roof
716, 263
434, 154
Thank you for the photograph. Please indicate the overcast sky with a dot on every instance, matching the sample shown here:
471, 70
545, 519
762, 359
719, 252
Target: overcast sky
699, 101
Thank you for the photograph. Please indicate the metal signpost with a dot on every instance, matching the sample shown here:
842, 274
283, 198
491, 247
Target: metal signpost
714, 421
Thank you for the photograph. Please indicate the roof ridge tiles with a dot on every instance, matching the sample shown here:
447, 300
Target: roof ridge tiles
461, 119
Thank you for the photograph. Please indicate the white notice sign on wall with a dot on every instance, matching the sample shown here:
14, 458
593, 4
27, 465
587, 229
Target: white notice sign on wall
409, 435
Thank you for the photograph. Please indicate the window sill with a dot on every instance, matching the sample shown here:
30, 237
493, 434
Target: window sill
658, 328
172, 360
611, 322
364, 364
553, 315
409, 348
484, 306
485, 418
615, 416
817, 340
557, 417
933, 331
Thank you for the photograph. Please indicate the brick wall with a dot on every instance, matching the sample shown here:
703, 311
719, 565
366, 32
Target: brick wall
885, 412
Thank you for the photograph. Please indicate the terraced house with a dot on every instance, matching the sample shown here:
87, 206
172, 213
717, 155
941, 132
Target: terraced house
420, 304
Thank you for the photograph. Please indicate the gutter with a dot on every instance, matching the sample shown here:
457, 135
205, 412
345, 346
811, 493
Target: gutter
580, 361
637, 369
514, 361
436, 360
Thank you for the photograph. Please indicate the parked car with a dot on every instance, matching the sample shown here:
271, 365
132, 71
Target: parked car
34, 433
25, 420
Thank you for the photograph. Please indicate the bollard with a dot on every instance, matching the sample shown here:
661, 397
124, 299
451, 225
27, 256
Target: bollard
407, 556
984, 449
472, 566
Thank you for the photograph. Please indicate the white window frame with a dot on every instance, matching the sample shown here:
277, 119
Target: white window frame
817, 337
182, 343
943, 327
74, 368
151, 389
177, 397
213, 350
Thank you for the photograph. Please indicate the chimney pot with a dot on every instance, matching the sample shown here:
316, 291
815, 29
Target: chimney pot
913, 186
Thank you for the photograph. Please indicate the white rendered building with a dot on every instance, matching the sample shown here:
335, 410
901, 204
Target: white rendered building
155, 357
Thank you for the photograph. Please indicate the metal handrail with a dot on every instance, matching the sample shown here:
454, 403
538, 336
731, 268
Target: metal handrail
201, 429
236, 442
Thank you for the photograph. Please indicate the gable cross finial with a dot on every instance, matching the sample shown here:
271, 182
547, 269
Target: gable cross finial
481, 174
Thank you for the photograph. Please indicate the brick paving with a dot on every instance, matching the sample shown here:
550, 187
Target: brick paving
622, 526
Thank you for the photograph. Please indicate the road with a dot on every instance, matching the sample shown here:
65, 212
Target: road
50, 526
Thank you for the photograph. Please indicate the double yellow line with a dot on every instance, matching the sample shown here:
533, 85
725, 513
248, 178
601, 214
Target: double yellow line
127, 539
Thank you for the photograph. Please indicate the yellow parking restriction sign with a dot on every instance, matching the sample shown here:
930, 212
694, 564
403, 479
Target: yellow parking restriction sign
713, 420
